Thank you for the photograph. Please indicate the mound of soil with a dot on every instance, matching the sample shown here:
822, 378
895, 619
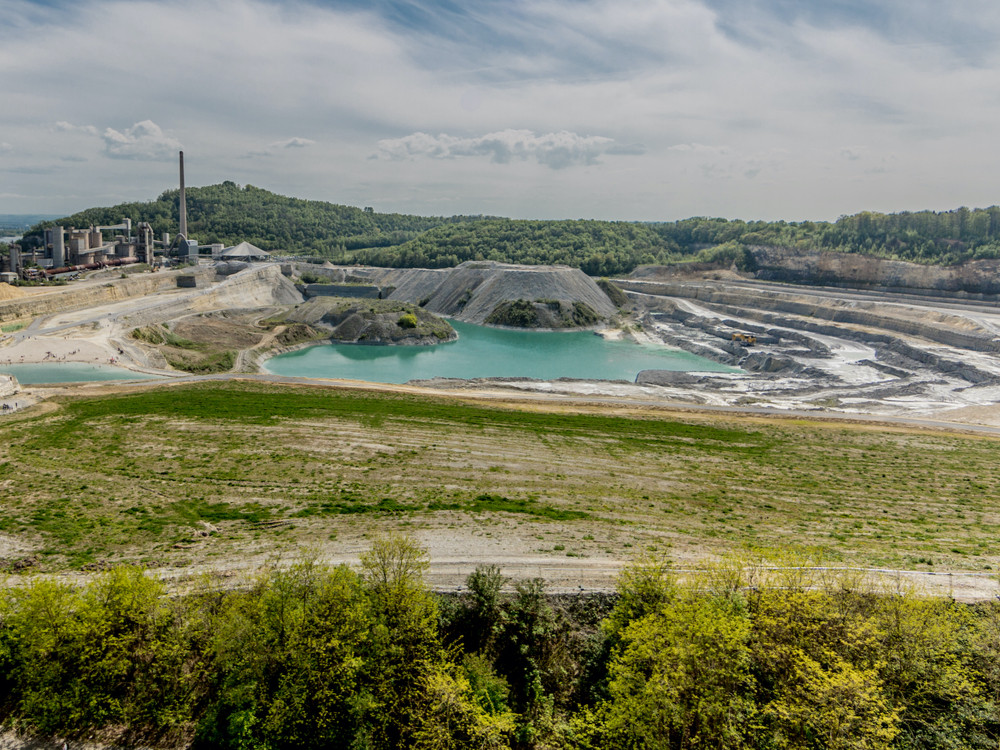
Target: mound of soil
202, 344
10, 292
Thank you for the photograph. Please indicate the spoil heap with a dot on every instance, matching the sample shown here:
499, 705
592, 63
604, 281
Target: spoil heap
485, 292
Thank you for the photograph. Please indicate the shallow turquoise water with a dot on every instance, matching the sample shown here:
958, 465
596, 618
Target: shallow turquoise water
483, 352
69, 372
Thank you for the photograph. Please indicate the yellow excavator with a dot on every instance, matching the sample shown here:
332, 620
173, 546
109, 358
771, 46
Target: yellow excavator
745, 339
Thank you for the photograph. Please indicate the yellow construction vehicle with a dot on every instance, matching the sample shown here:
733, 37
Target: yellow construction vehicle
745, 339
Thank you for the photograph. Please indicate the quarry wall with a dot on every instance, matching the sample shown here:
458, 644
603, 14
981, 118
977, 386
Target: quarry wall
258, 286
976, 279
800, 303
92, 295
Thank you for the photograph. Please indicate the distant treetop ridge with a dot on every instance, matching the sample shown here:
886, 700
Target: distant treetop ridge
229, 213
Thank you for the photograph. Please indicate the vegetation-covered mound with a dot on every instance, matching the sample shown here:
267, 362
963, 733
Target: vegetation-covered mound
229, 213
211, 342
206, 348
371, 321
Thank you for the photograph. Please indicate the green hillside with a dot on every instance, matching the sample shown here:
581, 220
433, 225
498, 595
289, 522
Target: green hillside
229, 213
605, 248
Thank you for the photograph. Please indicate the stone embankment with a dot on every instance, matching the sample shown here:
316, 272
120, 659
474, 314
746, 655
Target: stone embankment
8, 386
86, 295
977, 279
255, 287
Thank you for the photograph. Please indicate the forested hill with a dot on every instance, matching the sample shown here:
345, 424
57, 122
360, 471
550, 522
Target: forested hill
229, 213
604, 248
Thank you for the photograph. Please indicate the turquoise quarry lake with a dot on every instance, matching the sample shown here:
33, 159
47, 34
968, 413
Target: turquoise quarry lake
47, 373
482, 352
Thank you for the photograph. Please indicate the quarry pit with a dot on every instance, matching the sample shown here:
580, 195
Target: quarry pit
800, 349
859, 357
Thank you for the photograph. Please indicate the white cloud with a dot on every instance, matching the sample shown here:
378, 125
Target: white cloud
6, 148
700, 148
554, 150
67, 127
272, 148
711, 93
144, 141
294, 143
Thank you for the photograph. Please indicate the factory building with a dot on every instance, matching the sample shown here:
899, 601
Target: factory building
73, 248
67, 250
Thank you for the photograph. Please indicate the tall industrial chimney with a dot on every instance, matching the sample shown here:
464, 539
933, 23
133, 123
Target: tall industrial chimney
184, 213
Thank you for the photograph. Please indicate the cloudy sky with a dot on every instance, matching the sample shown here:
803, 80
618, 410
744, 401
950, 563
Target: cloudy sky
610, 109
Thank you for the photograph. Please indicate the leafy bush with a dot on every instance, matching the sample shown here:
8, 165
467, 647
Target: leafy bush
517, 314
111, 653
614, 292
311, 656
584, 314
149, 334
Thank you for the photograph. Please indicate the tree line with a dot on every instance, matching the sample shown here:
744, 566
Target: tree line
314, 656
229, 213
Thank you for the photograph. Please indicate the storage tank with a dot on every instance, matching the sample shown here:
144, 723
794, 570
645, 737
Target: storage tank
58, 248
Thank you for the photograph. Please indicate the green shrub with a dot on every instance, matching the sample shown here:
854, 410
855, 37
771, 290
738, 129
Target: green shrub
148, 334
219, 362
110, 653
584, 314
517, 314
615, 294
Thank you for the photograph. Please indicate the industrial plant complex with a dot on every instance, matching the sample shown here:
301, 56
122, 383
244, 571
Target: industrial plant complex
68, 251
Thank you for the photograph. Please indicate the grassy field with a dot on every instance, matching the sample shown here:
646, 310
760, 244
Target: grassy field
210, 472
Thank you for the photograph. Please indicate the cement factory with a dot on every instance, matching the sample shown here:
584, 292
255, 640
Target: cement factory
69, 251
